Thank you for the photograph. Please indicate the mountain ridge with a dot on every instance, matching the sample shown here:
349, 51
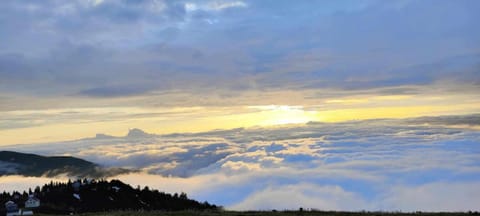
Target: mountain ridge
27, 164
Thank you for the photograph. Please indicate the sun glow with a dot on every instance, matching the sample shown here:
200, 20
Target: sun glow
282, 114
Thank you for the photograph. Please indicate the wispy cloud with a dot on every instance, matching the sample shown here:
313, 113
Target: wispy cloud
214, 5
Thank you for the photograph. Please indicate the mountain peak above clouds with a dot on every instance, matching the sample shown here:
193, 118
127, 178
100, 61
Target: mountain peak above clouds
138, 133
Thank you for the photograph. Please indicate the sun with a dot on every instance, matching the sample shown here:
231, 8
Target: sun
283, 114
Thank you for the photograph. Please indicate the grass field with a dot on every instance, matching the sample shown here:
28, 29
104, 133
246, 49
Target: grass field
272, 213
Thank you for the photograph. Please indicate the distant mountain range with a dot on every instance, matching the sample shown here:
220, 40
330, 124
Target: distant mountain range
16, 163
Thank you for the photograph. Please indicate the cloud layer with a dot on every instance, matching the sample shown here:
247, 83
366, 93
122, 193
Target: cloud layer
372, 164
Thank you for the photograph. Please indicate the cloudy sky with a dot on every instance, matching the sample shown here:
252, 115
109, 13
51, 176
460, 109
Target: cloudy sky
320, 99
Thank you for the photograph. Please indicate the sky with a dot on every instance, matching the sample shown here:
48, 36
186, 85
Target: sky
253, 94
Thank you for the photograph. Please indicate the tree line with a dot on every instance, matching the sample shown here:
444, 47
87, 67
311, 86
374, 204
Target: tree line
101, 195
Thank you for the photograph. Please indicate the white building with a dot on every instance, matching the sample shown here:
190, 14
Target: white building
13, 210
32, 202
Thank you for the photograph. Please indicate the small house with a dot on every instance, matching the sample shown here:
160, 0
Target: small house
32, 202
11, 208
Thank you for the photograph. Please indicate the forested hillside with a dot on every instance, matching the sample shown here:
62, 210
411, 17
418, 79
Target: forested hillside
101, 195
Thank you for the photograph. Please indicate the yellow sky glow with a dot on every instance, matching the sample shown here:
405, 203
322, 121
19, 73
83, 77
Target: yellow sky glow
117, 120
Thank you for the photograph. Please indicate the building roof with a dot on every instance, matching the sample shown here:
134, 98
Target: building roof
33, 199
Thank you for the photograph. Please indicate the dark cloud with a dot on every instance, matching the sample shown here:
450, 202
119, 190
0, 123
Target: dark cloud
114, 48
472, 120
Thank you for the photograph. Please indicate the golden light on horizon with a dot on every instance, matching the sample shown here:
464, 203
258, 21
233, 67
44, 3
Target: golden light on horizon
63, 124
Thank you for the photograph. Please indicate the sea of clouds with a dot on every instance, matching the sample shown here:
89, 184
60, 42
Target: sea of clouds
430, 163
